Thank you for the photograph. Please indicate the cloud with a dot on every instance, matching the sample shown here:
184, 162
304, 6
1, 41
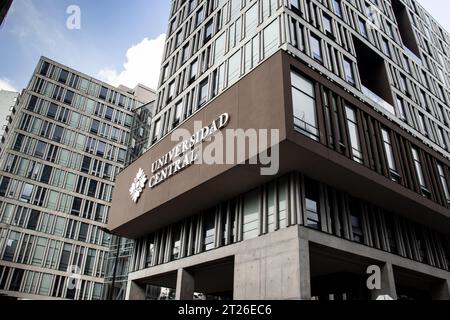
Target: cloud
143, 64
5, 84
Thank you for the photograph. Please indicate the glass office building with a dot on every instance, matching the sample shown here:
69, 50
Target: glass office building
359, 91
66, 143
121, 249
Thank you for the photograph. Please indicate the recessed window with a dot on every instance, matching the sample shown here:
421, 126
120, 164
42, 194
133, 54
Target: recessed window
352, 124
386, 48
27, 191
304, 104
40, 149
419, 168
179, 38
203, 93
68, 98
103, 93
95, 126
109, 113
171, 91
44, 68
312, 204
337, 8
401, 113
57, 134
389, 150
327, 27
422, 125
443, 181
178, 113
208, 31
63, 76
194, 70
52, 111
363, 28
157, 132
316, 48
348, 71
199, 17
356, 221
185, 53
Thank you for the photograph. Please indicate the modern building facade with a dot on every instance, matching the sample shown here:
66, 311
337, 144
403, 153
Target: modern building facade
8, 101
66, 144
4, 8
359, 91
121, 249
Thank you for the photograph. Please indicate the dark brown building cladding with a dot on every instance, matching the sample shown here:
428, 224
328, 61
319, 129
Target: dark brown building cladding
263, 99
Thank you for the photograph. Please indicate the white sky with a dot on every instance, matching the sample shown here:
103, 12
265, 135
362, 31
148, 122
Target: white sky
439, 10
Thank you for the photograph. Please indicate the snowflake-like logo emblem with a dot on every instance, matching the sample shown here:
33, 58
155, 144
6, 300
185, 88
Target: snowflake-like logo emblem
138, 185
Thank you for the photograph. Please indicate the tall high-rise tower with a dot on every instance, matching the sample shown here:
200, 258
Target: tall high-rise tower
359, 92
67, 141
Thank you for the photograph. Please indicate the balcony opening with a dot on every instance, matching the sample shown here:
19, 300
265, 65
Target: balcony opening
405, 27
374, 76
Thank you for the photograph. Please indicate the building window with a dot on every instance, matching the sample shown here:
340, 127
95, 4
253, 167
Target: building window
327, 26
157, 132
65, 257
304, 103
40, 149
363, 28
179, 39
386, 48
171, 91
444, 183
234, 68
316, 48
63, 76
352, 123
4, 186
68, 98
251, 215
312, 204
44, 68
11, 246
194, 70
203, 93
208, 31
209, 232
337, 8
178, 113
390, 154
185, 54
52, 111
356, 220
271, 38
419, 171
251, 20
199, 17
176, 241
349, 73
401, 113
422, 125
103, 93
27, 191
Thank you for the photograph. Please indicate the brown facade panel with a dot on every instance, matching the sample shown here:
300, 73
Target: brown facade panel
263, 100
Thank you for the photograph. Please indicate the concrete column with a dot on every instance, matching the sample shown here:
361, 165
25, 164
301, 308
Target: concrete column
279, 270
185, 285
387, 283
305, 270
135, 291
442, 291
